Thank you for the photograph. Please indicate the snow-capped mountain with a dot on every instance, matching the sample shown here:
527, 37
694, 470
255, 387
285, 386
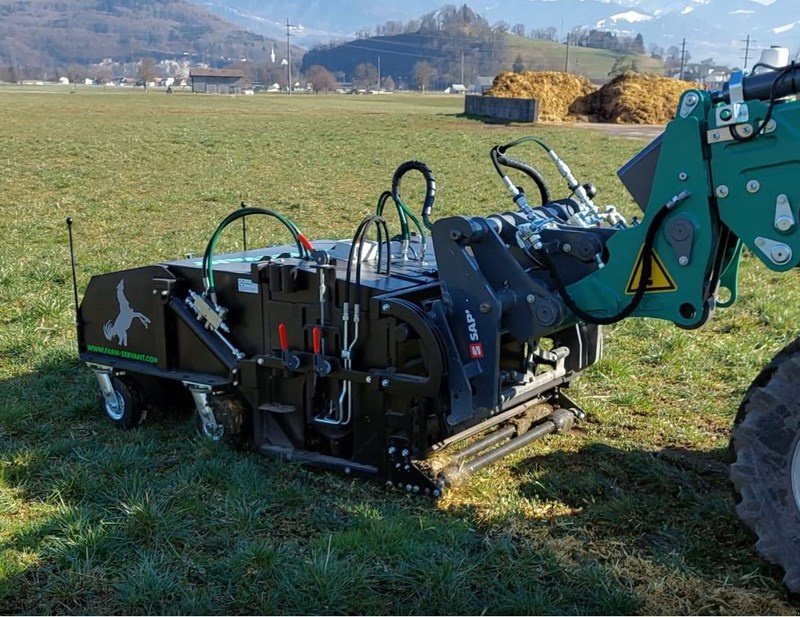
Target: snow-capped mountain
711, 27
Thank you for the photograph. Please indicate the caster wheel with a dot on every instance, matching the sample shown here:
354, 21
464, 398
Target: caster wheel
129, 409
231, 417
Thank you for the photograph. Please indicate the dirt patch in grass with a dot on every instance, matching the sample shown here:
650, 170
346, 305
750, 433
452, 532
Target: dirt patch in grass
632, 98
554, 90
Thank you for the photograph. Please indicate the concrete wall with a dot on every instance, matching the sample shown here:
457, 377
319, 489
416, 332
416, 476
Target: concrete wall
513, 110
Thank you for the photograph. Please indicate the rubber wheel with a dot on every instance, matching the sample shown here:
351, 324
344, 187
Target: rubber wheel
766, 471
231, 416
131, 409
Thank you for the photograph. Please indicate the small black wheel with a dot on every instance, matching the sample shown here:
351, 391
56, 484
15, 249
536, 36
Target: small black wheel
130, 409
231, 416
766, 471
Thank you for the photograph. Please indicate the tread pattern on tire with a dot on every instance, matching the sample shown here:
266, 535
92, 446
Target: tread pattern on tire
764, 441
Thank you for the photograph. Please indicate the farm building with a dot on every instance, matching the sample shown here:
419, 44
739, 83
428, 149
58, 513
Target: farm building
219, 81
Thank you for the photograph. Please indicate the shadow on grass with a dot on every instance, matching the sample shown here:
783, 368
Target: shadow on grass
156, 520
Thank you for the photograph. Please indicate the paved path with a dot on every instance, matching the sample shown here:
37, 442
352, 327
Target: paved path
631, 131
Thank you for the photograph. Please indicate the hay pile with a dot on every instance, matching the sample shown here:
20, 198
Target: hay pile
633, 98
555, 91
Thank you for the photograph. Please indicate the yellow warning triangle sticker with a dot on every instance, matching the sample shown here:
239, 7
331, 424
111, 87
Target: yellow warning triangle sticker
660, 279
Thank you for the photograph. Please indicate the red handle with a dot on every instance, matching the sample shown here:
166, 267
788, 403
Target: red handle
283, 337
317, 332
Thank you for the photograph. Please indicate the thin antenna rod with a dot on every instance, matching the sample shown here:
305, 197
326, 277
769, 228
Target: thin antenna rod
244, 228
78, 319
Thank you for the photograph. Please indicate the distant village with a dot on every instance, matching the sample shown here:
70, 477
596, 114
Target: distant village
184, 75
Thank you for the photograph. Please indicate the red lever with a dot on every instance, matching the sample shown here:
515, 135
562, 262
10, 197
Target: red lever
317, 332
283, 337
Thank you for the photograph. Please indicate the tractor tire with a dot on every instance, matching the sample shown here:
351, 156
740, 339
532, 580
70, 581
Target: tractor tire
131, 408
232, 420
766, 471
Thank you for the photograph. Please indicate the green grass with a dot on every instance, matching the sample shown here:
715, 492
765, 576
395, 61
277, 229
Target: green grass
630, 514
539, 55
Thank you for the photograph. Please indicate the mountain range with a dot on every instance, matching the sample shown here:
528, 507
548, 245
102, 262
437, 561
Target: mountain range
56, 33
712, 28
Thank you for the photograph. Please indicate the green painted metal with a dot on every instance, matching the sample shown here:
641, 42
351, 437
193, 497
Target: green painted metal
754, 175
734, 185
683, 166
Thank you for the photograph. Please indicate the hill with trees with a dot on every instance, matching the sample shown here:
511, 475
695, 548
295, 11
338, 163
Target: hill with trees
37, 35
452, 44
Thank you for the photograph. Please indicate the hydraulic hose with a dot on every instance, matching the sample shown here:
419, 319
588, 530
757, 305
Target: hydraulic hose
430, 188
778, 89
531, 172
774, 84
303, 245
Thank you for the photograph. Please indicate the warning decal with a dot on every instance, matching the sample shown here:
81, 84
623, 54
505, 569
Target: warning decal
660, 280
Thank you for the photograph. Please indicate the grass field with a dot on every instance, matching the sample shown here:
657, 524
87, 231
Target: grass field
539, 55
632, 513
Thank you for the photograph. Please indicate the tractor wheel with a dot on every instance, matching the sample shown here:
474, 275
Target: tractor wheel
232, 420
130, 410
766, 471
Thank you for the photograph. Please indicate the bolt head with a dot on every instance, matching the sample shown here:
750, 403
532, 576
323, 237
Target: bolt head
683, 176
691, 99
567, 247
716, 135
404, 452
347, 470
725, 115
683, 260
771, 126
385, 383
392, 450
369, 379
260, 361
760, 242
753, 186
780, 255
485, 307
531, 298
408, 488
722, 191
784, 223
385, 307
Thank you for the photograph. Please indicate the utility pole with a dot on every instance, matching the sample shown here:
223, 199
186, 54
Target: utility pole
747, 44
462, 69
566, 61
683, 56
288, 56
379, 73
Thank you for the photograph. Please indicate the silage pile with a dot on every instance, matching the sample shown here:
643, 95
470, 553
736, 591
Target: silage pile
554, 90
633, 98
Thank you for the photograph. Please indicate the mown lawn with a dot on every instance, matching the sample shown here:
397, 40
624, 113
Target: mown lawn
630, 514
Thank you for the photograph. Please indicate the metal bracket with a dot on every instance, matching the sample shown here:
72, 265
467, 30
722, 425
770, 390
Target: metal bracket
680, 234
777, 252
784, 217
200, 394
736, 112
688, 104
103, 375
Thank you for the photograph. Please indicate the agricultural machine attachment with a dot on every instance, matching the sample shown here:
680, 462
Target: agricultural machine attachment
380, 354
